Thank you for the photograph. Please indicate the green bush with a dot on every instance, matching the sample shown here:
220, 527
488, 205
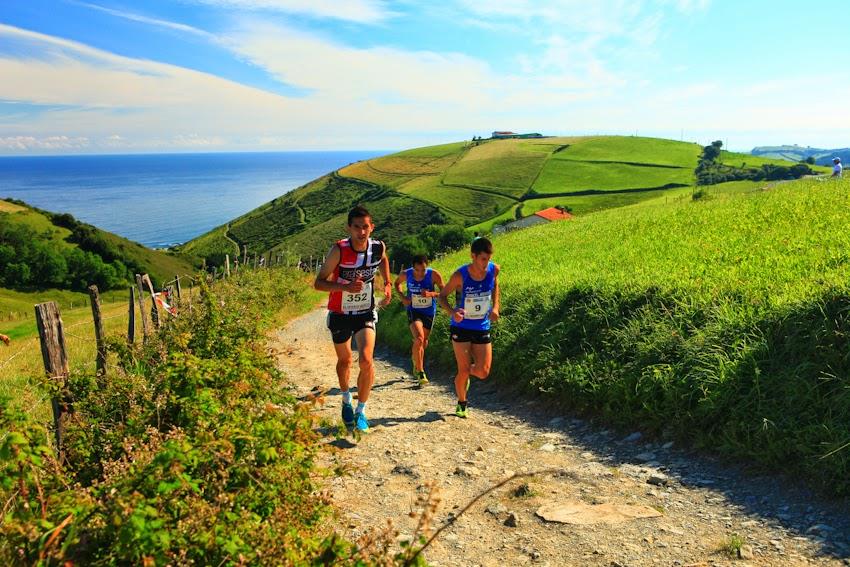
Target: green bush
190, 451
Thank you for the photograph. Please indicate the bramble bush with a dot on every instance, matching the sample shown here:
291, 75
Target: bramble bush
191, 450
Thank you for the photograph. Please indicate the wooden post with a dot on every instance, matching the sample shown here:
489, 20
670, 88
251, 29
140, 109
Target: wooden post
204, 264
215, 273
157, 320
131, 317
244, 254
99, 335
227, 264
177, 284
140, 288
55, 357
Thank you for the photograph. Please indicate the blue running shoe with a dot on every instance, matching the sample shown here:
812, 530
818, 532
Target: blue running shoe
347, 414
362, 424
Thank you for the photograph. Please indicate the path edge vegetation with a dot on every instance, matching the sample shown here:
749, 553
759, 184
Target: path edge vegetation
731, 369
192, 449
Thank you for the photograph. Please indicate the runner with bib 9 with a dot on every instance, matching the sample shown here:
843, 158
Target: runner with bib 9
476, 289
348, 274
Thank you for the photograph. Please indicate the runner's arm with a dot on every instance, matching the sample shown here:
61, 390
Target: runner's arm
322, 282
438, 282
497, 295
385, 274
402, 278
455, 282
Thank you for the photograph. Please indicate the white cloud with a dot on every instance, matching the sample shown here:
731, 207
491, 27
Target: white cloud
358, 11
377, 97
174, 26
26, 143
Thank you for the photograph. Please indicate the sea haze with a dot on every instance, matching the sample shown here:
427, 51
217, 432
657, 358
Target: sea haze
164, 199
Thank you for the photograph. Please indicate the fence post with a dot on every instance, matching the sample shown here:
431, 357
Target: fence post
98, 330
179, 291
227, 264
157, 321
244, 254
140, 288
55, 357
131, 317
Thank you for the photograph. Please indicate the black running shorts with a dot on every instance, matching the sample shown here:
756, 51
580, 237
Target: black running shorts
343, 327
469, 336
427, 321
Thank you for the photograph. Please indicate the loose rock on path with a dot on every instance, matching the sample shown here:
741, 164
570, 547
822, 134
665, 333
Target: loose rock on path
627, 500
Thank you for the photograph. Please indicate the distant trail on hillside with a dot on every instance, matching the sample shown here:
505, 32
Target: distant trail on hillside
414, 437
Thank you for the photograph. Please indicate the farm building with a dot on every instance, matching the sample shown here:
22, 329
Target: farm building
552, 214
498, 135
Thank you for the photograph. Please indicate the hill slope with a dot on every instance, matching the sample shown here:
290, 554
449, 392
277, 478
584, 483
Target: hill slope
462, 183
724, 322
799, 153
40, 249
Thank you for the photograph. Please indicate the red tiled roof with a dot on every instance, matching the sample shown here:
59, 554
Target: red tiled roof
554, 214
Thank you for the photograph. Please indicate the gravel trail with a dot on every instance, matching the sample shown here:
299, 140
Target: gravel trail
706, 512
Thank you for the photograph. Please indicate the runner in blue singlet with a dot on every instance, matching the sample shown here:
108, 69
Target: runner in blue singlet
476, 289
419, 298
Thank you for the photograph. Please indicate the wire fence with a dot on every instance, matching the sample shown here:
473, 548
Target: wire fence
26, 345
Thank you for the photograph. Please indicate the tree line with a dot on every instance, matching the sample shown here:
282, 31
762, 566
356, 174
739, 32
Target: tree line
30, 259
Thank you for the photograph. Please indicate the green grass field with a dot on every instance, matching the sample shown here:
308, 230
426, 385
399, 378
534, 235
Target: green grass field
507, 166
724, 322
564, 176
629, 149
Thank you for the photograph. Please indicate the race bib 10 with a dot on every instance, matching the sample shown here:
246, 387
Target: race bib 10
360, 301
421, 302
476, 306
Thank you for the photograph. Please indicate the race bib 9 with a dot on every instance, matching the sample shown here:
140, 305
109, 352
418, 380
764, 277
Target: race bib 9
360, 301
421, 302
476, 306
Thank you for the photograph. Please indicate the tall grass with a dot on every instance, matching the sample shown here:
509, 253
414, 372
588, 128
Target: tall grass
724, 322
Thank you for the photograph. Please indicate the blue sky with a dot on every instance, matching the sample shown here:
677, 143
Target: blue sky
106, 76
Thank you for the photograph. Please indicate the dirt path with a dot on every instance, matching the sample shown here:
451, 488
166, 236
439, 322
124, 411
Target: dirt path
415, 437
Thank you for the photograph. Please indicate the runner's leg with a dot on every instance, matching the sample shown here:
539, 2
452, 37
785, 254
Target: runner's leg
418, 332
464, 362
343, 363
366, 349
483, 355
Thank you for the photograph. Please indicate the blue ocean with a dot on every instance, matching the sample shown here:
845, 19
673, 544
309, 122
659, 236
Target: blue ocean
162, 200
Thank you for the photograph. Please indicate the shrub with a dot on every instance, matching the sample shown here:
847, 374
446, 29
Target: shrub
190, 451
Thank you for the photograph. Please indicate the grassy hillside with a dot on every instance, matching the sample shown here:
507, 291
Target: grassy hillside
721, 320
472, 184
63, 234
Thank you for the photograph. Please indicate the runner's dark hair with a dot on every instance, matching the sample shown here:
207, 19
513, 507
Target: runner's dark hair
420, 259
358, 212
480, 245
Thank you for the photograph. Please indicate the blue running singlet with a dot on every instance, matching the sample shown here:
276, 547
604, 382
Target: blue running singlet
476, 299
419, 304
